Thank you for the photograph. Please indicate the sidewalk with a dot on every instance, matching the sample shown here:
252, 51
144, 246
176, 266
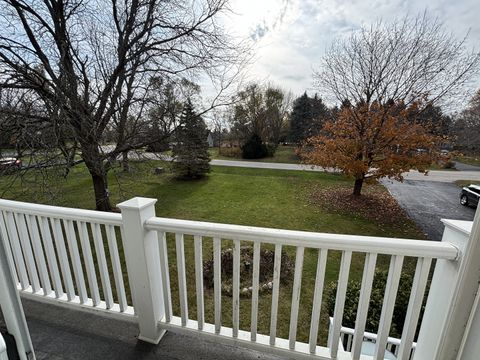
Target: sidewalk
471, 173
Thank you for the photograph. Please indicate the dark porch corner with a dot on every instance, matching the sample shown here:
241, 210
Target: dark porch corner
58, 333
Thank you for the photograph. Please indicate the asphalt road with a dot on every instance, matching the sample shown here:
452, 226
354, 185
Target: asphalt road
427, 202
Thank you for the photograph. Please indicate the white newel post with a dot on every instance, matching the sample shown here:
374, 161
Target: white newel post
452, 296
11, 307
143, 266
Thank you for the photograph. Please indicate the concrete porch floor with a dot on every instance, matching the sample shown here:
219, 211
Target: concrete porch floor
61, 334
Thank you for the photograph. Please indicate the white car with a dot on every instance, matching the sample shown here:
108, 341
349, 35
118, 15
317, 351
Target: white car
9, 164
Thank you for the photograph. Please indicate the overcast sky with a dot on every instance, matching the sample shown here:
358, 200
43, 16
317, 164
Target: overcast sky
290, 36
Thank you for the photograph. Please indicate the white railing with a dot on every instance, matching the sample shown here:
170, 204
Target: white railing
60, 255
398, 249
392, 348
3, 349
48, 243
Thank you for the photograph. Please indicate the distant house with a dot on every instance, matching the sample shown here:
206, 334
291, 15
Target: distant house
210, 139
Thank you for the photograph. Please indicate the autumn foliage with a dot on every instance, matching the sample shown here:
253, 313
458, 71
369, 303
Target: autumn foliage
371, 141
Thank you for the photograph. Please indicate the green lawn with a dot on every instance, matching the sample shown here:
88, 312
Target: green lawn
284, 154
271, 198
435, 166
470, 160
462, 183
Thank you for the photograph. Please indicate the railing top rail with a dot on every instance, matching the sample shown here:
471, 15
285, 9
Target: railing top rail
357, 243
61, 212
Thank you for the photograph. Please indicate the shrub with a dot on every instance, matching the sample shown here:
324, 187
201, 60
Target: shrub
254, 148
158, 146
448, 165
234, 152
376, 302
267, 260
271, 148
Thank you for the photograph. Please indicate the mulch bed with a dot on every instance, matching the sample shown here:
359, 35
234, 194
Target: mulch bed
375, 203
267, 258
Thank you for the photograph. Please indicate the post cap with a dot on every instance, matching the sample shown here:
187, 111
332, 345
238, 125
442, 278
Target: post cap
459, 225
137, 203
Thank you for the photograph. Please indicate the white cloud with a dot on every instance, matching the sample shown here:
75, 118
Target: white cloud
291, 35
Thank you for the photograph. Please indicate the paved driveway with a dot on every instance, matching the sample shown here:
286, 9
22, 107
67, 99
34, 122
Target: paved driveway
427, 202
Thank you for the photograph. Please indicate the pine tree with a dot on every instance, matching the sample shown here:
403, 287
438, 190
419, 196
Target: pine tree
191, 149
307, 118
300, 117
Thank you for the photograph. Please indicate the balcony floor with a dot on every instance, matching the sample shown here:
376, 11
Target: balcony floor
59, 334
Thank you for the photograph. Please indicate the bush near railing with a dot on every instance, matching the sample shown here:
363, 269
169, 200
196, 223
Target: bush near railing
376, 302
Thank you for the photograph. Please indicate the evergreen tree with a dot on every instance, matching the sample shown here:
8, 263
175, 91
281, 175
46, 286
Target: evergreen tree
254, 148
191, 148
307, 117
320, 114
299, 119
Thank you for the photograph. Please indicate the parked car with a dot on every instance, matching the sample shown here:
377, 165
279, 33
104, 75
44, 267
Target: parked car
9, 164
470, 195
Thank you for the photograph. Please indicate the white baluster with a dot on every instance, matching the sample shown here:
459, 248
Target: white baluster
275, 292
217, 283
8, 249
297, 283
199, 280
363, 302
76, 262
17, 250
317, 299
182, 280
51, 257
391, 288
88, 259
63, 258
39, 256
165, 274
102, 264
27, 251
414, 306
236, 288
116, 267
255, 282
340, 302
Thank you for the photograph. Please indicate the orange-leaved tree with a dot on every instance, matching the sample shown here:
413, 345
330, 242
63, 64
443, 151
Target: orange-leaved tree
371, 141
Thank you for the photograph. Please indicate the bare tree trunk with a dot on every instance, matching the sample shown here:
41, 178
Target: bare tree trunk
98, 171
125, 163
357, 188
102, 196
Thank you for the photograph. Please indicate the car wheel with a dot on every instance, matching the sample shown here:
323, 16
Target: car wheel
464, 200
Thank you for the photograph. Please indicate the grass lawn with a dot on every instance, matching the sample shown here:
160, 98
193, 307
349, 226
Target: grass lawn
435, 166
270, 198
284, 154
462, 183
470, 160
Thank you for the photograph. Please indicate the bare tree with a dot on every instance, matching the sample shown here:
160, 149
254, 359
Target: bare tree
407, 60
412, 63
466, 128
278, 104
261, 110
88, 64
219, 121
